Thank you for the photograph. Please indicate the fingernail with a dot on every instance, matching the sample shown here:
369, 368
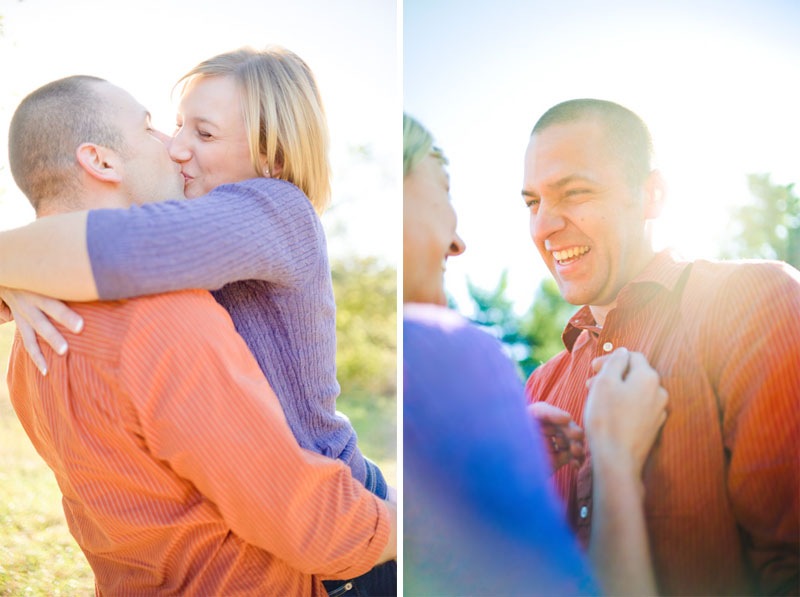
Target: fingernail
43, 369
78, 326
62, 348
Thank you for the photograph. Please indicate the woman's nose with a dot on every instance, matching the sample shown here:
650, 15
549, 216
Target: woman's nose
178, 149
458, 246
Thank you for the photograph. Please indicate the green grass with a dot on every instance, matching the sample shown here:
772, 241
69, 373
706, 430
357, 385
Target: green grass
38, 556
375, 420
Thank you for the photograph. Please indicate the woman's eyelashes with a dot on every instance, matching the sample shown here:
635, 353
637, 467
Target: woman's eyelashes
203, 134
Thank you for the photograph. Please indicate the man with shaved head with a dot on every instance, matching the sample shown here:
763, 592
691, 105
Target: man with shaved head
721, 484
178, 470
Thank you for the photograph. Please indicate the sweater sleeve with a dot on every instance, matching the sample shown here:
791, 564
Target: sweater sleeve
220, 426
260, 229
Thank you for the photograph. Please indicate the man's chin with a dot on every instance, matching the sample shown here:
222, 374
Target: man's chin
575, 296
569, 293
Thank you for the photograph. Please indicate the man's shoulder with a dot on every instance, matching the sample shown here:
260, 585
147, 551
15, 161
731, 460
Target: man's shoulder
115, 321
163, 303
750, 275
733, 267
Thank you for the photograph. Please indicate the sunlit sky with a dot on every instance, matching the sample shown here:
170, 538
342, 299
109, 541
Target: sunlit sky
717, 82
144, 46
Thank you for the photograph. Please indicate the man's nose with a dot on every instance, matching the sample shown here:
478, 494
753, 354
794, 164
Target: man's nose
545, 222
163, 137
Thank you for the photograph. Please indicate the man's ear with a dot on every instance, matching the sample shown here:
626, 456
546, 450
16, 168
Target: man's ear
654, 195
99, 162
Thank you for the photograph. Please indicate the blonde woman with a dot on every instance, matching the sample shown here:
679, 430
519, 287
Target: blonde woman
480, 516
252, 143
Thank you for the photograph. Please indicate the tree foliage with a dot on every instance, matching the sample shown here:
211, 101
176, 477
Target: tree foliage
532, 338
366, 325
544, 323
769, 227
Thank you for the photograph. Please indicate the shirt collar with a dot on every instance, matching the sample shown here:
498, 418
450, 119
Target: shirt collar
663, 272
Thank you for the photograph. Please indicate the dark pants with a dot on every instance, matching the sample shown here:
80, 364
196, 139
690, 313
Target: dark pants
381, 581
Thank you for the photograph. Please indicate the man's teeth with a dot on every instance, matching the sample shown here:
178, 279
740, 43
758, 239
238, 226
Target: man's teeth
570, 253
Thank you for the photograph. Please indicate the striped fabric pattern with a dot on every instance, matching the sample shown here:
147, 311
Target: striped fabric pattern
178, 470
263, 237
723, 479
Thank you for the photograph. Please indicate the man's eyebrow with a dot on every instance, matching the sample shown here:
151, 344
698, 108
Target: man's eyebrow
562, 182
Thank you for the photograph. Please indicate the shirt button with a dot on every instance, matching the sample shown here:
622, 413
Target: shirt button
608, 347
584, 512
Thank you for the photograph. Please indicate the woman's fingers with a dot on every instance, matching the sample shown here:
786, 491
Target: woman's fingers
563, 437
42, 325
31, 344
548, 414
34, 315
59, 312
614, 364
625, 408
47, 309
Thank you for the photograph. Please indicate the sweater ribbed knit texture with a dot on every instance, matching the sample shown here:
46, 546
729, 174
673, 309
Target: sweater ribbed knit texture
260, 248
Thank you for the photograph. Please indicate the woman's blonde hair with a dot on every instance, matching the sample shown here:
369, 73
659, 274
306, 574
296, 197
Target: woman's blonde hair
417, 144
283, 115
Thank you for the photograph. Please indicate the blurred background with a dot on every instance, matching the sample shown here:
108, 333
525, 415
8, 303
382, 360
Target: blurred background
144, 47
716, 81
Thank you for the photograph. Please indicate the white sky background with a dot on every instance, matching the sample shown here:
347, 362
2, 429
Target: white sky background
144, 46
718, 82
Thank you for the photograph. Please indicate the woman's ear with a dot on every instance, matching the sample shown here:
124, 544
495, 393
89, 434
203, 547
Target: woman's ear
655, 194
273, 172
99, 162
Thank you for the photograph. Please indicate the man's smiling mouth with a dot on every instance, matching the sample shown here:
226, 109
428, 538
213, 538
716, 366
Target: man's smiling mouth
567, 256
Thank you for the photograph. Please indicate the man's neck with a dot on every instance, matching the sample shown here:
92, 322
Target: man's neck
600, 312
87, 200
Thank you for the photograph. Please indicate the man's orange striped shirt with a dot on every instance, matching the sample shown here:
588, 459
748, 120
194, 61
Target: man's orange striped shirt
723, 480
178, 471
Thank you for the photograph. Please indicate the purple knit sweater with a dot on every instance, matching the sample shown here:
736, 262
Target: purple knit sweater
260, 248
